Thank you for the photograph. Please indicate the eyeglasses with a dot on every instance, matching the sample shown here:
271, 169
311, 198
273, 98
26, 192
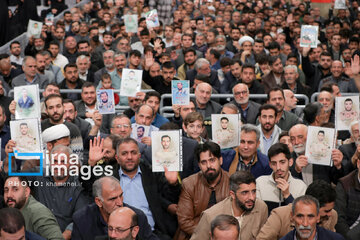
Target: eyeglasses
119, 230
126, 126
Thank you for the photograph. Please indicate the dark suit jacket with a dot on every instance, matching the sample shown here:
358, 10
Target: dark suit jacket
84, 127
252, 112
348, 151
214, 80
88, 223
212, 107
159, 195
322, 233
268, 81
189, 162
300, 89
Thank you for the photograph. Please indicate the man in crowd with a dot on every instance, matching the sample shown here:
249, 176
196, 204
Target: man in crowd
202, 190
241, 202
248, 108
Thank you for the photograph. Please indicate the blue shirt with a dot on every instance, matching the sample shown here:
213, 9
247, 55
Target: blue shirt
267, 143
158, 121
134, 194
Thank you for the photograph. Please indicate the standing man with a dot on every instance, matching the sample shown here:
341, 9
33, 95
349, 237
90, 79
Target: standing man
202, 190
241, 203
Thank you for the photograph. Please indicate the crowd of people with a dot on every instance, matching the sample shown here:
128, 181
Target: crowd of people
264, 188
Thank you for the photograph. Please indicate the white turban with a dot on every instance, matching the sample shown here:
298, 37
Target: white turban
246, 39
55, 132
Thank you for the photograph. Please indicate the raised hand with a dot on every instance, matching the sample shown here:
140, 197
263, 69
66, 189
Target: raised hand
171, 176
149, 60
355, 65
96, 151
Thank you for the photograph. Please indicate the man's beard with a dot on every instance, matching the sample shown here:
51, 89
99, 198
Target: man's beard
304, 235
104, 101
91, 103
246, 100
210, 177
241, 205
299, 149
69, 119
268, 129
19, 204
221, 48
109, 65
39, 48
58, 118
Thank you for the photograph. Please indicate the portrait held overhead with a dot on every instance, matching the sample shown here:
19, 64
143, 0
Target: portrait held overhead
180, 119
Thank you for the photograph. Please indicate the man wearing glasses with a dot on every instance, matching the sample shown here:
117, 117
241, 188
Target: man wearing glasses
123, 224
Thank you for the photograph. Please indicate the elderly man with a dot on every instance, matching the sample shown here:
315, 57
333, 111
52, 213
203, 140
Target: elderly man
17, 195
292, 81
144, 116
92, 220
201, 190
246, 156
29, 77
276, 76
123, 218
290, 102
202, 66
346, 85
327, 99
351, 150
305, 214
203, 104
279, 222
314, 114
248, 108
310, 172
242, 203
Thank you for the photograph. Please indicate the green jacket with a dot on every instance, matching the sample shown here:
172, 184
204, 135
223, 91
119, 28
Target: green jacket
39, 219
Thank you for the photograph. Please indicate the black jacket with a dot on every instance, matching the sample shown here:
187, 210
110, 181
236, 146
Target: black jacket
313, 74
159, 195
88, 223
322, 233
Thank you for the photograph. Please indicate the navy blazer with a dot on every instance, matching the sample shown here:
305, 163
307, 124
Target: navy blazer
322, 233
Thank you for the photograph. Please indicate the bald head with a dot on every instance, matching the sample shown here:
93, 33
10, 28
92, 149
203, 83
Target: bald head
241, 93
336, 68
108, 183
125, 219
298, 136
202, 94
5, 67
290, 100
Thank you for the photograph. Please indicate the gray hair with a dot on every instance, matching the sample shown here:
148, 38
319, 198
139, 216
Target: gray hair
98, 186
351, 125
119, 117
221, 36
82, 57
291, 67
109, 51
61, 148
27, 58
231, 106
200, 62
306, 199
118, 54
247, 88
248, 128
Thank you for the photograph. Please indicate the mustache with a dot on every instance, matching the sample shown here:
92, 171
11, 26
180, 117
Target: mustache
10, 199
301, 227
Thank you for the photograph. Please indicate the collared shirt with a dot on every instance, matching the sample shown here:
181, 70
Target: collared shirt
83, 76
134, 194
244, 113
32, 82
267, 142
17, 60
243, 166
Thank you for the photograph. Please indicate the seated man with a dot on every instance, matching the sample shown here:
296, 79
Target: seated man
351, 150
279, 222
241, 203
92, 220
305, 214
201, 190
246, 156
123, 218
279, 188
153, 100
347, 203
38, 218
203, 103
12, 226
225, 225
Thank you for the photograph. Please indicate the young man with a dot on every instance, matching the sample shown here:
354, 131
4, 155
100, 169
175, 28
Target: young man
279, 188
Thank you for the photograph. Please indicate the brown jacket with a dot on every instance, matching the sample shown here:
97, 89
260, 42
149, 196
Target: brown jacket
194, 199
251, 223
279, 223
268, 81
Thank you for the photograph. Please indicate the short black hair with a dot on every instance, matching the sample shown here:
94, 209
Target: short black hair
168, 65
278, 148
152, 94
240, 177
322, 191
275, 89
212, 147
267, 107
72, 65
274, 45
248, 65
11, 220
135, 52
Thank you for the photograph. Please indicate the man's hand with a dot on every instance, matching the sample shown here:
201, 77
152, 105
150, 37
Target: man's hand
67, 235
171, 176
172, 208
355, 65
146, 140
284, 186
337, 158
301, 162
176, 108
89, 115
9, 147
305, 51
97, 118
149, 61
96, 151
12, 107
